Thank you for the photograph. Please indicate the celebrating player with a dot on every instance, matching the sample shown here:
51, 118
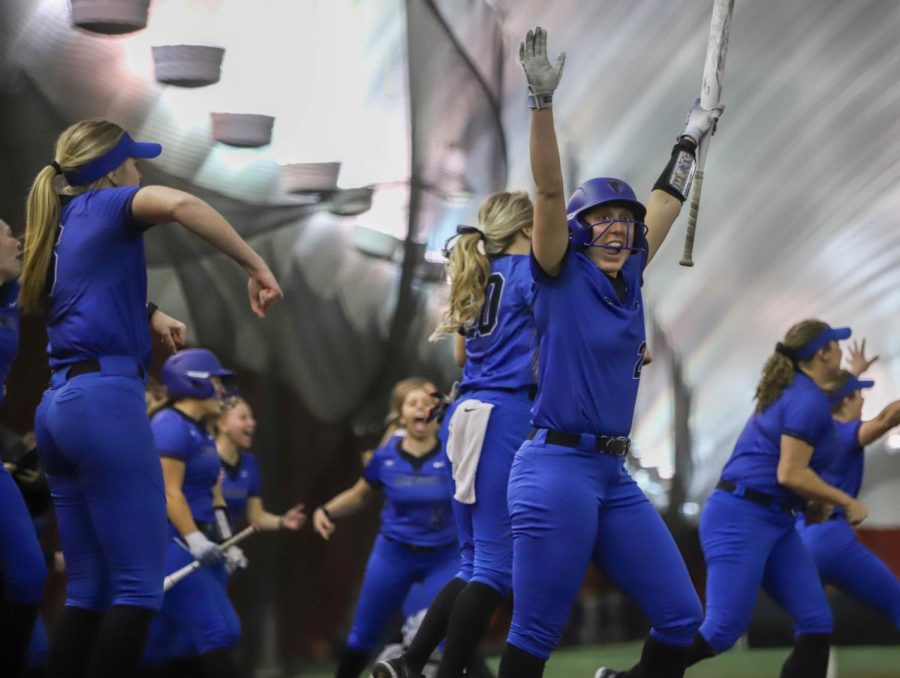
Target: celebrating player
747, 528
84, 268
490, 316
841, 559
22, 568
197, 609
240, 472
570, 498
417, 541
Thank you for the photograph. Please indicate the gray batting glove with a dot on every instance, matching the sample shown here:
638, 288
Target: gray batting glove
543, 78
203, 549
700, 121
235, 559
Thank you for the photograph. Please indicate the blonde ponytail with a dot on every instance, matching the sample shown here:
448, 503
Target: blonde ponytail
500, 218
79, 144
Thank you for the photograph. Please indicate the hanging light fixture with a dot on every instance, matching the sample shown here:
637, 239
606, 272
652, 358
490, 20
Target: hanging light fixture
110, 17
188, 65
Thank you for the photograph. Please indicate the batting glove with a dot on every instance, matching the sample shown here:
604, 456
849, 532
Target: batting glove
700, 121
235, 559
543, 78
203, 549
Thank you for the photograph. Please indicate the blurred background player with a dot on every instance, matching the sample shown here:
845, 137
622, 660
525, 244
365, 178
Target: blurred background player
22, 569
747, 527
571, 499
84, 269
197, 609
841, 559
489, 316
417, 541
240, 472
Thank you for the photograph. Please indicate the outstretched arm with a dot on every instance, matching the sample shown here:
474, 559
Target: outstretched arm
550, 237
872, 430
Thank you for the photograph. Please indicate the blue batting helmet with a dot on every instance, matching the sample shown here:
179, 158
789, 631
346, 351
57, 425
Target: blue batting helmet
187, 374
601, 191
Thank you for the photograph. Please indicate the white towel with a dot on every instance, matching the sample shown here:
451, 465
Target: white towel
465, 438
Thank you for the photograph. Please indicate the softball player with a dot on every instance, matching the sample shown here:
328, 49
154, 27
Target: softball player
239, 476
196, 609
571, 499
747, 527
84, 268
841, 559
22, 568
417, 541
490, 316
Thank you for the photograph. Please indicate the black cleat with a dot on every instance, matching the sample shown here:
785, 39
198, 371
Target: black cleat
394, 668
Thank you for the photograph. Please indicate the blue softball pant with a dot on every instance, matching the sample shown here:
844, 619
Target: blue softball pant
98, 451
391, 572
746, 546
571, 506
484, 527
196, 615
22, 568
844, 562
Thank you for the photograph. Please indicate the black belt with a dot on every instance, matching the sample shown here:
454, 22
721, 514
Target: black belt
756, 497
93, 365
415, 548
618, 446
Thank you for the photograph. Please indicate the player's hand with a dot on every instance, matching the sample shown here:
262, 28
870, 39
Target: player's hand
263, 290
322, 525
203, 549
294, 518
856, 512
235, 559
542, 78
171, 333
857, 355
818, 512
700, 121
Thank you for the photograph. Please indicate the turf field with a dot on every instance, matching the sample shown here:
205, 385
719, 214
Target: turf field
851, 662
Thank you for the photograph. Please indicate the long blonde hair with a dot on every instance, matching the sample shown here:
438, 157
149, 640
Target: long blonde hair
500, 218
778, 372
79, 144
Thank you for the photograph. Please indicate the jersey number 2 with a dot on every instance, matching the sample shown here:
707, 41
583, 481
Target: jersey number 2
640, 361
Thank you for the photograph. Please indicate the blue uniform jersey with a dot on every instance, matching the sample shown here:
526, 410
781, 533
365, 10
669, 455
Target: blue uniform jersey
499, 345
182, 438
239, 483
590, 346
97, 302
802, 411
847, 460
9, 330
417, 492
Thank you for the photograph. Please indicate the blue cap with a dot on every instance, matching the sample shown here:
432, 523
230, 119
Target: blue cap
852, 384
808, 350
125, 148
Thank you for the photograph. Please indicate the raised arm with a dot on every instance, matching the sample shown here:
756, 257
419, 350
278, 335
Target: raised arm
550, 237
674, 184
158, 204
872, 430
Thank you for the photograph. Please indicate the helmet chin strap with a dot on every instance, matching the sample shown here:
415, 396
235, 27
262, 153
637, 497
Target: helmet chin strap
630, 228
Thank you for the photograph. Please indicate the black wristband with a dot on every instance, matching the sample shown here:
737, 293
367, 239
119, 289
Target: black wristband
327, 513
151, 309
678, 174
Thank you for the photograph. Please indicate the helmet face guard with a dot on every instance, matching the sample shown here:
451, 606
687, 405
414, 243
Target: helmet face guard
606, 191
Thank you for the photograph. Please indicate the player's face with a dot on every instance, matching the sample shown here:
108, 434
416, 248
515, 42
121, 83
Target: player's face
414, 414
855, 405
832, 355
611, 233
239, 425
10, 254
128, 174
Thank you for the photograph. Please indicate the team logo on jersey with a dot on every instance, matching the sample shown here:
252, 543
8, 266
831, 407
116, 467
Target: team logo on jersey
439, 464
389, 462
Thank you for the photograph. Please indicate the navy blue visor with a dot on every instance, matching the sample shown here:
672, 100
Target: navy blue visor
98, 167
851, 385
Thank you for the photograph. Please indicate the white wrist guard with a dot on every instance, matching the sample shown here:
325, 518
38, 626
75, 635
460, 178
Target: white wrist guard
540, 101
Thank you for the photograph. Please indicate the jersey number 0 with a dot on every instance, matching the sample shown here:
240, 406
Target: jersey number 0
487, 321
